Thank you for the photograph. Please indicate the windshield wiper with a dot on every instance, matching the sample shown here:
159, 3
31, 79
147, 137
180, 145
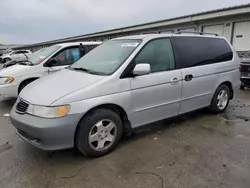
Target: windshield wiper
86, 70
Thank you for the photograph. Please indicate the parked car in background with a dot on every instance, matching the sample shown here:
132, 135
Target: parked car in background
123, 84
13, 79
2, 51
18, 55
13, 62
245, 71
10, 63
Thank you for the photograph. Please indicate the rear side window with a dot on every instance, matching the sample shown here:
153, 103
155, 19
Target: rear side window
23, 51
197, 51
89, 47
86, 49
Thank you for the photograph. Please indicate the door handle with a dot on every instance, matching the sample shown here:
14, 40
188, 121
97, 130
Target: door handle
188, 77
174, 81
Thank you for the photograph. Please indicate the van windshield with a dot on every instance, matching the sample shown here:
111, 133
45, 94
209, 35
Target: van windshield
38, 57
108, 57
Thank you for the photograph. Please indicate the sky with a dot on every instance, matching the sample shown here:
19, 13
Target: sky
32, 21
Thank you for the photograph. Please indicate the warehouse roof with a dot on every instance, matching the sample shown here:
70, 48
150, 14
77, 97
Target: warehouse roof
78, 43
229, 11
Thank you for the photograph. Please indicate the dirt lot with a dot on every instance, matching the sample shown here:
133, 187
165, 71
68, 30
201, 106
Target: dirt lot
196, 150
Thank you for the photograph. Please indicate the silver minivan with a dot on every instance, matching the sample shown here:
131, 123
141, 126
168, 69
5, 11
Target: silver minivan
123, 84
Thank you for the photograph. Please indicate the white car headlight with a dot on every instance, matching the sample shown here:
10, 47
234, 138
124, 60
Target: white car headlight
48, 112
6, 80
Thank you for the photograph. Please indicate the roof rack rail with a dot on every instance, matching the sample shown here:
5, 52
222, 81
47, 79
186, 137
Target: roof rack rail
198, 33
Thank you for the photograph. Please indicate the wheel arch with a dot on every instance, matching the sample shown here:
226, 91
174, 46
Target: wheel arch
25, 81
115, 108
230, 86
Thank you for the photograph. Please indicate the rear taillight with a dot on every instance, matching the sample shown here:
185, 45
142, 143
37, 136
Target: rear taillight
240, 67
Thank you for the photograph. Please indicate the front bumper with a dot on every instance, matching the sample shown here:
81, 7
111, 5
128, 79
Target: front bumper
8, 91
46, 134
245, 81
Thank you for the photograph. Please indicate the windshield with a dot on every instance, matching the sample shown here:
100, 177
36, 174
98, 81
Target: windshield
108, 57
38, 57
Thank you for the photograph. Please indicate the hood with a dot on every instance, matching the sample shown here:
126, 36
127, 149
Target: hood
50, 88
13, 70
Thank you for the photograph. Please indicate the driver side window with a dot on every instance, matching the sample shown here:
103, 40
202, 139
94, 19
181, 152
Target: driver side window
67, 56
159, 54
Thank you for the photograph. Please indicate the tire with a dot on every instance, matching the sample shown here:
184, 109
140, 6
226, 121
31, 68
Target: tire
104, 119
23, 85
215, 108
242, 87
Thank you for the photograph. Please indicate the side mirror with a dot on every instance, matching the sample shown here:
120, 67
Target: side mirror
142, 69
51, 62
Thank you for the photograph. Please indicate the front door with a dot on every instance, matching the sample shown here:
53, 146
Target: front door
156, 96
64, 58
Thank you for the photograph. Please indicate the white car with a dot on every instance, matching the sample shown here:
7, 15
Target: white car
18, 55
13, 79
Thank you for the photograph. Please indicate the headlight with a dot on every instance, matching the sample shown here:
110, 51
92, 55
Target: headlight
6, 80
48, 112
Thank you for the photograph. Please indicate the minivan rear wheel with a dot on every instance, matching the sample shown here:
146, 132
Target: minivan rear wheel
220, 99
98, 133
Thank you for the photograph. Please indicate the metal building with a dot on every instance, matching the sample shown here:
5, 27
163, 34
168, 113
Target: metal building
233, 23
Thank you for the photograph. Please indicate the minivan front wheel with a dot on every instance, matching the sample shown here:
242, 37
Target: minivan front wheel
98, 133
220, 99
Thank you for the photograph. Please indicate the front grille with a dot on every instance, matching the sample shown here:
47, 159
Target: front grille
21, 107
